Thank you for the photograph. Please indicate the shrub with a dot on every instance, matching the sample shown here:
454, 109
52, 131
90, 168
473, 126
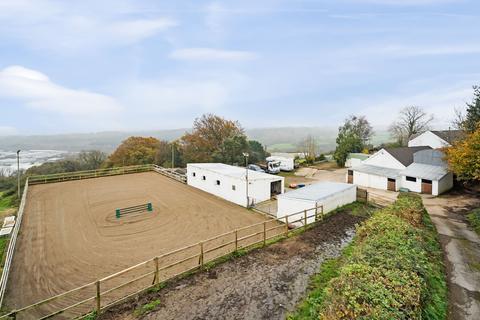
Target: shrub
474, 219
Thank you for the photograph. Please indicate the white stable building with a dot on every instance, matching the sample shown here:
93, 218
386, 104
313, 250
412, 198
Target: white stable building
329, 195
230, 182
436, 139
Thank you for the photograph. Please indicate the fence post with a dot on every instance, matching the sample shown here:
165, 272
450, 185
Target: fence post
286, 225
155, 260
98, 297
236, 240
305, 219
201, 254
264, 233
366, 196
322, 212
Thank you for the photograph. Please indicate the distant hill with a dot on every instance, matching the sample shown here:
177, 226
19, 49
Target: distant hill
281, 139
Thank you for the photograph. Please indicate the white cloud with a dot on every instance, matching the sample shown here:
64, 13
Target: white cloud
212, 54
37, 91
426, 50
70, 27
404, 2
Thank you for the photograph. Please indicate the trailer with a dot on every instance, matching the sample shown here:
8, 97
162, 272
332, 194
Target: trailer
286, 164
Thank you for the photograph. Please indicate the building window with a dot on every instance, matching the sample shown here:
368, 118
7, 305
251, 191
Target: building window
194, 174
426, 181
204, 178
233, 187
217, 182
350, 172
412, 179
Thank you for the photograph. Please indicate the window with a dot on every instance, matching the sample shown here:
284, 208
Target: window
194, 174
412, 179
350, 172
217, 182
204, 178
426, 181
391, 180
234, 187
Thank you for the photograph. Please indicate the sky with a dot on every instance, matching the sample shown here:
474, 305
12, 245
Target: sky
89, 66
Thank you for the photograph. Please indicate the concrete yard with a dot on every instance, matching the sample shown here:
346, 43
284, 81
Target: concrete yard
70, 235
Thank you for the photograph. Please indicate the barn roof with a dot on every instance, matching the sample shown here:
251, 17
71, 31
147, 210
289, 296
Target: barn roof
449, 135
405, 154
234, 171
317, 191
378, 171
425, 171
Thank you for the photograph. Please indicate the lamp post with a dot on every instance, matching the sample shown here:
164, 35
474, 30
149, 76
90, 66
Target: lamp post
18, 172
246, 177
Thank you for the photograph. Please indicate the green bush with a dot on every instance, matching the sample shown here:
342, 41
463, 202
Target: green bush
393, 270
474, 219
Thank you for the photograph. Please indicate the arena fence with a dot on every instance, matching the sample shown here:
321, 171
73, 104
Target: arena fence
11, 244
105, 292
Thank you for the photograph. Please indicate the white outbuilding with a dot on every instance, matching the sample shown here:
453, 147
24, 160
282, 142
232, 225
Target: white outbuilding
230, 182
329, 195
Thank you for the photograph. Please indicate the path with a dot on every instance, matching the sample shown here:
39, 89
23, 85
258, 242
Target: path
461, 246
264, 284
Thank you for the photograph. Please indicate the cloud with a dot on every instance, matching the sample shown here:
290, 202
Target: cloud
66, 27
404, 2
7, 131
211, 54
35, 90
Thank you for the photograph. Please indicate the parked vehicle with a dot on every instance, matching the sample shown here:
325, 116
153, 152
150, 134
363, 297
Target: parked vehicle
272, 167
286, 164
254, 167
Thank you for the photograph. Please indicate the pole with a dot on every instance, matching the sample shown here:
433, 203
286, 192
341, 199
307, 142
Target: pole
173, 156
99, 305
18, 173
246, 176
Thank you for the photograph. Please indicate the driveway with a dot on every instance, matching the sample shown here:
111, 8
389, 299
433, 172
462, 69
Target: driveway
461, 246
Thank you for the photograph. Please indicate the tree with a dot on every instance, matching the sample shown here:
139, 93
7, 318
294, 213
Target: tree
472, 117
309, 148
257, 151
91, 160
353, 136
134, 151
464, 157
412, 120
458, 121
214, 138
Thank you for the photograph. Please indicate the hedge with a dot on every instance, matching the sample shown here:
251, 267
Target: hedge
393, 270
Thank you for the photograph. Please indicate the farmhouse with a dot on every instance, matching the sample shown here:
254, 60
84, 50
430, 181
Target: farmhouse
418, 169
230, 182
436, 139
316, 199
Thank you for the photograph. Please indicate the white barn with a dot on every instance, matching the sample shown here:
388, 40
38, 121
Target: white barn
330, 195
436, 139
229, 182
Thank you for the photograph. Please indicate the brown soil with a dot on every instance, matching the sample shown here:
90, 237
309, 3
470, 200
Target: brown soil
70, 235
264, 284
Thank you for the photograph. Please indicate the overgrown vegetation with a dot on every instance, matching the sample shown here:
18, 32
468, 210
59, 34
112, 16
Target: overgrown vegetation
146, 308
393, 270
474, 219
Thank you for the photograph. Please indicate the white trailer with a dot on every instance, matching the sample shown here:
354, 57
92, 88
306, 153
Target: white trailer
329, 195
230, 182
286, 164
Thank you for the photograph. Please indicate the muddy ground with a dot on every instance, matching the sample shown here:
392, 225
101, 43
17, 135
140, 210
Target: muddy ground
264, 284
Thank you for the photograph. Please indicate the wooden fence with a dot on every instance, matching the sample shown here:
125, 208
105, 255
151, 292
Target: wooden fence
170, 173
12, 243
105, 292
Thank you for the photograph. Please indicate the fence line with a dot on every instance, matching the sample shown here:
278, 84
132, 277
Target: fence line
113, 288
11, 244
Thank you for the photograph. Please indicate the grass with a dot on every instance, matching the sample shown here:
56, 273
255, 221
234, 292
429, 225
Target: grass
146, 308
6, 202
474, 219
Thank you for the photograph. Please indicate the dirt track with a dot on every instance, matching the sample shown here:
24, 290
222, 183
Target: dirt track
265, 284
70, 235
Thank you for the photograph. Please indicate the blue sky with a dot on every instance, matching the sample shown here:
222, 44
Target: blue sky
83, 66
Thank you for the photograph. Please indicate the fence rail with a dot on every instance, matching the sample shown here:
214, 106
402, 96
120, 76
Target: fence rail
11, 244
105, 292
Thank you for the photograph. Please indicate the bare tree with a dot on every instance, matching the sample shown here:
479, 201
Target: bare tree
412, 120
309, 148
458, 121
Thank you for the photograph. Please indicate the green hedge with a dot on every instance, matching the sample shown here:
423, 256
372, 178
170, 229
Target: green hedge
393, 270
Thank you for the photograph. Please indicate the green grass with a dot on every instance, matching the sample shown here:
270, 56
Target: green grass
5, 202
474, 219
146, 308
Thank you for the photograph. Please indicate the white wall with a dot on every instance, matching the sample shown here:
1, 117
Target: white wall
384, 159
428, 139
412, 186
287, 206
258, 190
370, 180
353, 162
445, 184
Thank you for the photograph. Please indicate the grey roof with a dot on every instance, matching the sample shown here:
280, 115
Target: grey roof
317, 191
425, 171
450, 135
379, 171
405, 154
233, 171
431, 157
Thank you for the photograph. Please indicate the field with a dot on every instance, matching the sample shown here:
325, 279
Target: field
70, 235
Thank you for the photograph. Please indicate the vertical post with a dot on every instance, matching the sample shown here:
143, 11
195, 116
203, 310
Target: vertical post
236, 240
173, 156
98, 297
366, 196
18, 174
286, 225
305, 219
155, 261
201, 255
264, 233
322, 211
